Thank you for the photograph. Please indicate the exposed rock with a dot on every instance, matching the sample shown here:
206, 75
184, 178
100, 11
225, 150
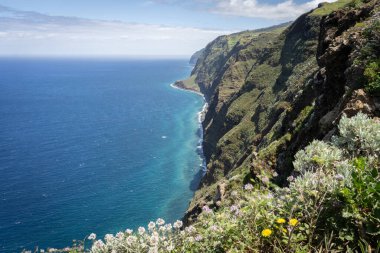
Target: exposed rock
220, 192
360, 102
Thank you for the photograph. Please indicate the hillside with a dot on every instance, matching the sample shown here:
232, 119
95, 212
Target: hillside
194, 58
291, 139
271, 93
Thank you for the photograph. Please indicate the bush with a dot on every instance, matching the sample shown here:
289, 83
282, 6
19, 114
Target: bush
333, 206
372, 74
359, 136
318, 154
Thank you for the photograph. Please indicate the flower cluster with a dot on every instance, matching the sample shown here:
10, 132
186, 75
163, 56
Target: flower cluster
336, 187
159, 237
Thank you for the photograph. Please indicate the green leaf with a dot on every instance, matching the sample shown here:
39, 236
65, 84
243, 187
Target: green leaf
360, 163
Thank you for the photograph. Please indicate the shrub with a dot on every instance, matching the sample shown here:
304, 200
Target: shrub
359, 136
372, 74
318, 154
333, 206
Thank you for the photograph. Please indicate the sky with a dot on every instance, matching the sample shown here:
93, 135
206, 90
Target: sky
141, 28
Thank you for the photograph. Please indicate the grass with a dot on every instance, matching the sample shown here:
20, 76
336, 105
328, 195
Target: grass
328, 8
190, 83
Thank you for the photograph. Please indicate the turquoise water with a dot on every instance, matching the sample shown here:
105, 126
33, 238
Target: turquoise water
93, 146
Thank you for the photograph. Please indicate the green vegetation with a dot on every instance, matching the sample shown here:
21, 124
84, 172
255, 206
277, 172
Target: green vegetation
333, 205
372, 73
269, 97
190, 84
302, 117
370, 55
327, 8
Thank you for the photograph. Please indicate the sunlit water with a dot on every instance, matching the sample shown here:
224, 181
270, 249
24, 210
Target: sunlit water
93, 146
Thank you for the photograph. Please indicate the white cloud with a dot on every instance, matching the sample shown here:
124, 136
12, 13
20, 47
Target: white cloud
284, 10
30, 33
252, 8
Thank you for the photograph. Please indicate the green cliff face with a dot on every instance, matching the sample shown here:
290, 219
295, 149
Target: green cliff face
272, 91
194, 58
292, 141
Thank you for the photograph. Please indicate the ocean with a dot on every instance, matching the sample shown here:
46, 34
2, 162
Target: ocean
96, 145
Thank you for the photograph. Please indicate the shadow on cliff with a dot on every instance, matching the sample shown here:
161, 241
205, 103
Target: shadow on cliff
195, 182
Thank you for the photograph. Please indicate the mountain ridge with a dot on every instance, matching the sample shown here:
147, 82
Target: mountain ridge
270, 93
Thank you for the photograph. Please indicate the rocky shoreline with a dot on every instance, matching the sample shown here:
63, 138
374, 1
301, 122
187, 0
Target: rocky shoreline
180, 85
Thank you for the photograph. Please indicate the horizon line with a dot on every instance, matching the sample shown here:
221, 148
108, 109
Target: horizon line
4, 56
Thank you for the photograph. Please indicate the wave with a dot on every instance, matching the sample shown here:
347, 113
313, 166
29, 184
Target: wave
201, 116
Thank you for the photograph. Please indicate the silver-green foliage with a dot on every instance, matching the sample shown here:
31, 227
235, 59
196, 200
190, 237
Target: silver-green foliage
317, 154
330, 207
359, 135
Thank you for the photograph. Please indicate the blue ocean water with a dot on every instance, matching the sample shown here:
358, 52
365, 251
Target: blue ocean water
93, 146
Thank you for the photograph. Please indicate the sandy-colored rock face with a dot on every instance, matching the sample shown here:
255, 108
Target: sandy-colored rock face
360, 102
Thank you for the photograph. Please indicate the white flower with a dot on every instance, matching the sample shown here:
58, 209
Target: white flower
206, 209
178, 224
119, 235
234, 193
265, 180
190, 229
290, 178
108, 238
131, 239
160, 222
151, 225
170, 248
235, 209
248, 187
129, 231
141, 230
214, 228
98, 244
92, 236
168, 226
198, 238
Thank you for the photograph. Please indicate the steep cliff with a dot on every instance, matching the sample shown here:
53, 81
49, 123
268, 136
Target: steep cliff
194, 58
271, 92
291, 139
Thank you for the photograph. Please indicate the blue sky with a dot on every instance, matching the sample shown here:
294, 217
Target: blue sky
126, 28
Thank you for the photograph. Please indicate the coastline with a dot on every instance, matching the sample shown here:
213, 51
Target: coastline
173, 85
201, 116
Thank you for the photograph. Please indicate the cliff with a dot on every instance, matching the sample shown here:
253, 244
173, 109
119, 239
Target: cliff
194, 58
272, 91
291, 139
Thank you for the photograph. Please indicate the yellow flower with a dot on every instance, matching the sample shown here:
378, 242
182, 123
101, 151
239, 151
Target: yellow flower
293, 222
280, 220
266, 232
